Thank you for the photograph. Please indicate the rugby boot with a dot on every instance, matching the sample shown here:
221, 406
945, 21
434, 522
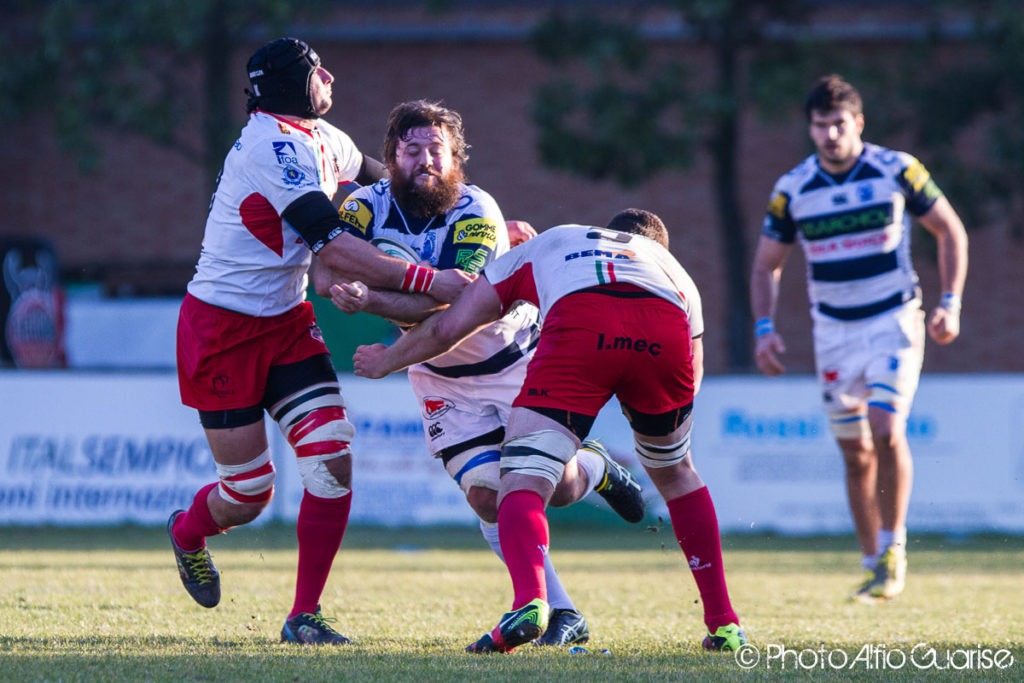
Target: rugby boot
312, 628
862, 593
200, 578
890, 574
725, 638
515, 628
618, 486
565, 627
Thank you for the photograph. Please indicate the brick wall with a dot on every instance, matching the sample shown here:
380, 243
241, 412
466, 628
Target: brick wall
146, 206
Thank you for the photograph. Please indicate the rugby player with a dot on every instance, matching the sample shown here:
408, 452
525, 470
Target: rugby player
850, 205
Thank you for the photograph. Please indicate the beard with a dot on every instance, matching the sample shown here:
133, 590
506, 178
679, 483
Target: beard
426, 201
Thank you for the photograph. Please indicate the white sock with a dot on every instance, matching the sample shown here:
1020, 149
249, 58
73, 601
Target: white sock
887, 538
593, 464
557, 597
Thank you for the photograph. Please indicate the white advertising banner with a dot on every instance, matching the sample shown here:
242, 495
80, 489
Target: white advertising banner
80, 448
766, 452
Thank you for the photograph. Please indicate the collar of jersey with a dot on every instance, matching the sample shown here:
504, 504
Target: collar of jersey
307, 131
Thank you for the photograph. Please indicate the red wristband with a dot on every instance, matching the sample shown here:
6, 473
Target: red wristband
418, 278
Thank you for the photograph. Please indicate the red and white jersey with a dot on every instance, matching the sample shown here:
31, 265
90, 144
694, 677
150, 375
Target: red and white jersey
568, 258
252, 262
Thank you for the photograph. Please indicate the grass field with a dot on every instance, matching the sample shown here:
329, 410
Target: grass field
106, 605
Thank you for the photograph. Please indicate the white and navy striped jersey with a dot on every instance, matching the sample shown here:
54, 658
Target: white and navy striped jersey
252, 262
470, 235
569, 258
854, 229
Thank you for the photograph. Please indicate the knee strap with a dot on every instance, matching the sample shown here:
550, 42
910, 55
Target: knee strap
251, 482
539, 454
849, 424
662, 456
314, 422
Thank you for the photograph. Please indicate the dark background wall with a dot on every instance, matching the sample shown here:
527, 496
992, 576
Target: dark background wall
136, 222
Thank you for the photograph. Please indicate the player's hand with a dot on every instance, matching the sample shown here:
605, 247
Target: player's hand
765, 354
369, 361
519, 232
350, 297
944, 325
448, 284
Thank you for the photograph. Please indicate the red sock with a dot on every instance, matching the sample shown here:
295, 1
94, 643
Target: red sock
696, 527
191, 528
320, 528
523, 533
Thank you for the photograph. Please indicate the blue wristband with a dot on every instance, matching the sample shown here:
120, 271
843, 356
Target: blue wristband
762, 327
951, 301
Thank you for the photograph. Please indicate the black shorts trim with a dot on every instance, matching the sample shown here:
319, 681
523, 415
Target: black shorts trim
229, 419
660, 424
632, 292
577, 423
491, 438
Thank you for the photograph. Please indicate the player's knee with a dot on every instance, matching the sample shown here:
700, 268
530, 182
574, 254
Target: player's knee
656, 456
327, 477
249, 485
484, 502
317, 427
570, 488
540, 454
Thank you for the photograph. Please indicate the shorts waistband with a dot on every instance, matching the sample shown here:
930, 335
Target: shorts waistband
621, 290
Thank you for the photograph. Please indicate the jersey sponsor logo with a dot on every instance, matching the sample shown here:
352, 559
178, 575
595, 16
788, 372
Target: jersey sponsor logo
470, 260
778, 205
863, 242
435, 430
857, 220
355, 213
830, 375
284, 150
476, 231
626, 343
600, 252
916, 175
293, 176
436, 406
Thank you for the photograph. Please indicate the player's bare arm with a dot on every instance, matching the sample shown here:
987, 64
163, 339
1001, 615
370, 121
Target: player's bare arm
356, 297
355, 259
943, 222
477, 307
769, 259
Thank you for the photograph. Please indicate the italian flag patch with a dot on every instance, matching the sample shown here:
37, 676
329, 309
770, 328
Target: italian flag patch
605, 271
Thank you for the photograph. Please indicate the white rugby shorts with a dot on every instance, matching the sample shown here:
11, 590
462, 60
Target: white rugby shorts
873, 360
456, 410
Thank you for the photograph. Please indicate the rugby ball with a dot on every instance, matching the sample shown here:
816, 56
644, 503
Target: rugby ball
397, 249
